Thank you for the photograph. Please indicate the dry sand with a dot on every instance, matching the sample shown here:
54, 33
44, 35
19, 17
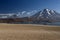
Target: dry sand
28, 32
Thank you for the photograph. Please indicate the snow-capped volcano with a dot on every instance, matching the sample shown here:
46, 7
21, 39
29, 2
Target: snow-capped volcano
47, 14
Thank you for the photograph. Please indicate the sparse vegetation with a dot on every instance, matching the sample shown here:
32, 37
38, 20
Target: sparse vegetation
29, 32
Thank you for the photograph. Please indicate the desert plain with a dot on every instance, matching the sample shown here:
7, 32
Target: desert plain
29, 32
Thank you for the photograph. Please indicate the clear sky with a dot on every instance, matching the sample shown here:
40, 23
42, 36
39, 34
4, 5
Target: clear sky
28, 5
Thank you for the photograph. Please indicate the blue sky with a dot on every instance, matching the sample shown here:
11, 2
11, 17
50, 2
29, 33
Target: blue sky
28, 5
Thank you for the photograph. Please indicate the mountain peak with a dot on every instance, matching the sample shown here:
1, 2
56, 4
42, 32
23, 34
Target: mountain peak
46, 12
46, 9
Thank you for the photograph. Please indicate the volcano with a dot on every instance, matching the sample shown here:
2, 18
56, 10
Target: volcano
46, 15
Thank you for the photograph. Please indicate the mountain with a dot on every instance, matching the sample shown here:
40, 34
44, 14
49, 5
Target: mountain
25, 13
6, 15
18, 14
46, 15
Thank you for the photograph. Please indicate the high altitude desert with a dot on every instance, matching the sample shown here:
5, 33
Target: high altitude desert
29, 32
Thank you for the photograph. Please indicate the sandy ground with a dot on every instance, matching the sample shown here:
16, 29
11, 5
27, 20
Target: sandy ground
29, 32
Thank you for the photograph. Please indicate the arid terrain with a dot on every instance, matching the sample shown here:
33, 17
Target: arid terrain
29, 32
